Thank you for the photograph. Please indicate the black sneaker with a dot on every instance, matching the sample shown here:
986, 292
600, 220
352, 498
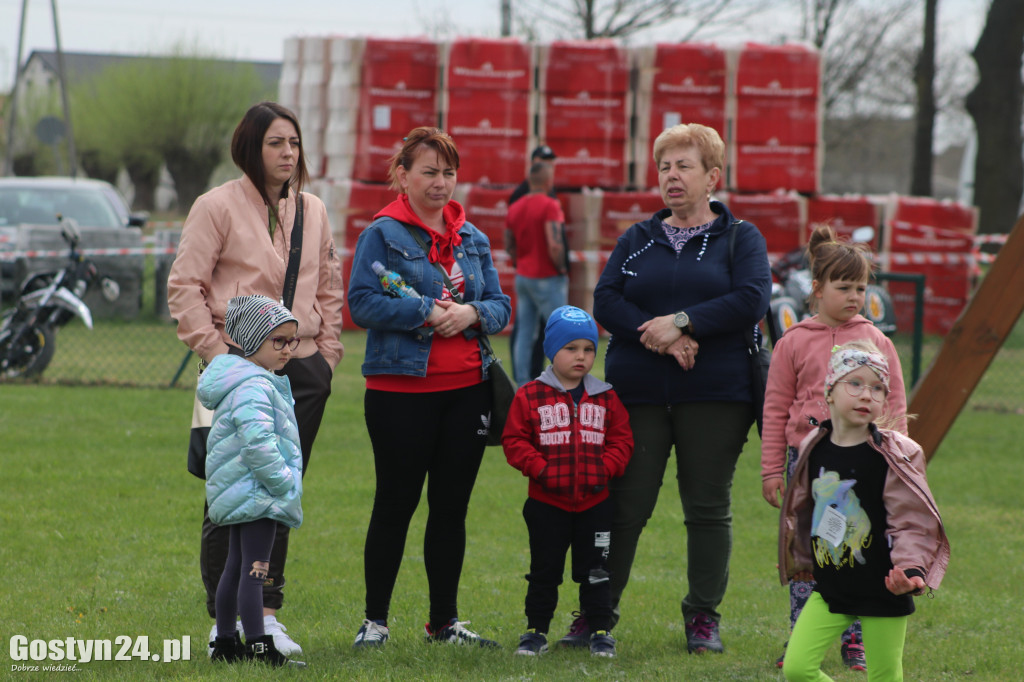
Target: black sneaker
602, 644
532, 643
456, 633
781, 659
702, 635
579, 633
853, 654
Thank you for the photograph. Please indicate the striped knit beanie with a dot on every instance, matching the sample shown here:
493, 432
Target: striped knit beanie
250, 320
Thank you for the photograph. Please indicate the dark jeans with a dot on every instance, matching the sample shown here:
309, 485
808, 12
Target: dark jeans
240, 590
708, 438
552, 532
311, 386
434, 437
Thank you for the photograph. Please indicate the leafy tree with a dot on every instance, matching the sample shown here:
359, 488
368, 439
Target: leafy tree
179, 110
996, 105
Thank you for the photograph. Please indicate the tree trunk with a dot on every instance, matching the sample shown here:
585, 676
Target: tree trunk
145, 176
924, 129
995, 105
191, 171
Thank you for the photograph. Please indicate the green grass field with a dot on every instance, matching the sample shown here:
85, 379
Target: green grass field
100, 528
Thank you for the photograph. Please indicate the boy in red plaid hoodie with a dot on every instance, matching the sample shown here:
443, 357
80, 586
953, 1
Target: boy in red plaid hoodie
569, 433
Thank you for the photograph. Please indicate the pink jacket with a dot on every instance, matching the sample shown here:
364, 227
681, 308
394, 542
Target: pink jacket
226, 251
916, 536
796, 385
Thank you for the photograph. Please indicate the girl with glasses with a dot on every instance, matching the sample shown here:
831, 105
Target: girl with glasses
858, 514
794, 404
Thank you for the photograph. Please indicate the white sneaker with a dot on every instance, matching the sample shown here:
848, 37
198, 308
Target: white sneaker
213, 635
371, 634
284, 644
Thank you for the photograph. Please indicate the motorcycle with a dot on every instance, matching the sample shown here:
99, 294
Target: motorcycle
791, 290
46, 302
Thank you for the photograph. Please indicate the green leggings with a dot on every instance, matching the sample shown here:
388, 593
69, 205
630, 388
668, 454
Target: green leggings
817, 628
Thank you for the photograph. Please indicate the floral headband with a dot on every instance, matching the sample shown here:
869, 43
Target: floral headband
846, 360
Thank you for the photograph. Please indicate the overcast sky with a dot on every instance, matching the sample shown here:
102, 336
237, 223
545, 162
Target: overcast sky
256, 29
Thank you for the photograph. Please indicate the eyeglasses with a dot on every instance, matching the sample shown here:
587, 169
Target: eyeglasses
855, 387
281, 341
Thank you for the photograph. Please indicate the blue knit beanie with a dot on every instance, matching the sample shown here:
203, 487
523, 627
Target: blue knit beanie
566, 324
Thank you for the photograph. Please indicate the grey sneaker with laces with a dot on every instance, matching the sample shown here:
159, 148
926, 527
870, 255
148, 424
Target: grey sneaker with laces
371, 634
702, 635
456, 633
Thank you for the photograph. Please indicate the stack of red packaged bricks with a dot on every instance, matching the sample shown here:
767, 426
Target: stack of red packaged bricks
777, 119
585, 111
936, 239
677, 83
488, 107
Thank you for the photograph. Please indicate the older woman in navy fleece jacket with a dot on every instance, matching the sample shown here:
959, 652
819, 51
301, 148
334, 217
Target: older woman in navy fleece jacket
678, 307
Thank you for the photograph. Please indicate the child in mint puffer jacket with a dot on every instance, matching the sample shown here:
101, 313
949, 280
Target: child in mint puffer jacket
253, 465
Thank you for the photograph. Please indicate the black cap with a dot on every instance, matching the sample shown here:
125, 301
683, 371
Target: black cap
543, 152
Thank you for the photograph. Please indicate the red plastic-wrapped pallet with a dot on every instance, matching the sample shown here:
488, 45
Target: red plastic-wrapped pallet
944, 257
769, 166
489, 64
677, 83
411, 63
620, 210
781, 217
577, 65
944, 214
845, 214
487, 209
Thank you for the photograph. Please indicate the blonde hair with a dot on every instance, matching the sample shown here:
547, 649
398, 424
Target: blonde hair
832, 259
708, 142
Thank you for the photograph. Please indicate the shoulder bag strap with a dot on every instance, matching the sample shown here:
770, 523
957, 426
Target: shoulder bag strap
291, 274
456, 296
749, 332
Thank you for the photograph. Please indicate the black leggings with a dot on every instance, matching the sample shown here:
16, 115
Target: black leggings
438, 437
240, 590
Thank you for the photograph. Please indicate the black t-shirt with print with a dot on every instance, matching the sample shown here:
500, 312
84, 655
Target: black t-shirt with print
848, 485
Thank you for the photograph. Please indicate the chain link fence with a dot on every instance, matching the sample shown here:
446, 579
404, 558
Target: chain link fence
145, 351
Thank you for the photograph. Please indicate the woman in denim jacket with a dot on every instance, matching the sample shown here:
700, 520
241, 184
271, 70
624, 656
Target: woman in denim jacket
427, 404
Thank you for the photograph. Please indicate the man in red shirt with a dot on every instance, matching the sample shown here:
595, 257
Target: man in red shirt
535, 243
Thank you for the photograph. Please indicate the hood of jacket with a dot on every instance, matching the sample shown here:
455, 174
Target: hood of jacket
591, 384
226, 372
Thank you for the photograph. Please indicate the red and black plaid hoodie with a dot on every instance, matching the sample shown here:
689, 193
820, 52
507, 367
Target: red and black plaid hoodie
569, 451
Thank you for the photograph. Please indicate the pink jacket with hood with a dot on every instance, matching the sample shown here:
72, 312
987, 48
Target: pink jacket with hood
226, 251
796, 385
916, 535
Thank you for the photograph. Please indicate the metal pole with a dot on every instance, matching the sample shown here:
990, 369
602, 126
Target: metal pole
506, 18
70, 130
9, 156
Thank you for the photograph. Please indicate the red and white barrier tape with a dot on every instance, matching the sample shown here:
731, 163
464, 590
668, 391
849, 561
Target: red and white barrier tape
133, 251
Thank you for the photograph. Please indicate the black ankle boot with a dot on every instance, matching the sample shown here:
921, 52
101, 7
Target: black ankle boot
262, 650
229, 649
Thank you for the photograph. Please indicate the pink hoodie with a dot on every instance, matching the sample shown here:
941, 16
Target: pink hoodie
796, 385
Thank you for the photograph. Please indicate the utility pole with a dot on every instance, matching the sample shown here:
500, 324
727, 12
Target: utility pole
506, 18
62, 76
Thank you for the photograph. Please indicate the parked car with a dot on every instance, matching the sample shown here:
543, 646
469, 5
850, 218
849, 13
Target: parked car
39, 201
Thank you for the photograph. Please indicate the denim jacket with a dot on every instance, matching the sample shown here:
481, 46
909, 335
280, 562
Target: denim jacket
396, 340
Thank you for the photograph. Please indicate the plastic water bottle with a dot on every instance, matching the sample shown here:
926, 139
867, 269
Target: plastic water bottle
393, 282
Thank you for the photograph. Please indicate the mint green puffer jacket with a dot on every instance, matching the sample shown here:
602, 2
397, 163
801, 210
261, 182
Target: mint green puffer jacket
253, 461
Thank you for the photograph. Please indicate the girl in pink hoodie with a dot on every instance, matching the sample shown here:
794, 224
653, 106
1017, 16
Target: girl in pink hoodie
794, 404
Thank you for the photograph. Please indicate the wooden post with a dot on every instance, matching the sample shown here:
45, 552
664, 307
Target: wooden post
970, 346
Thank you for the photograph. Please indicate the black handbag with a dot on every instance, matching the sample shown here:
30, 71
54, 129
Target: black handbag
760, 356
202, 418
503, 389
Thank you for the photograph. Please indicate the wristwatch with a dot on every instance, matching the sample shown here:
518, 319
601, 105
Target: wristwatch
682, 320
